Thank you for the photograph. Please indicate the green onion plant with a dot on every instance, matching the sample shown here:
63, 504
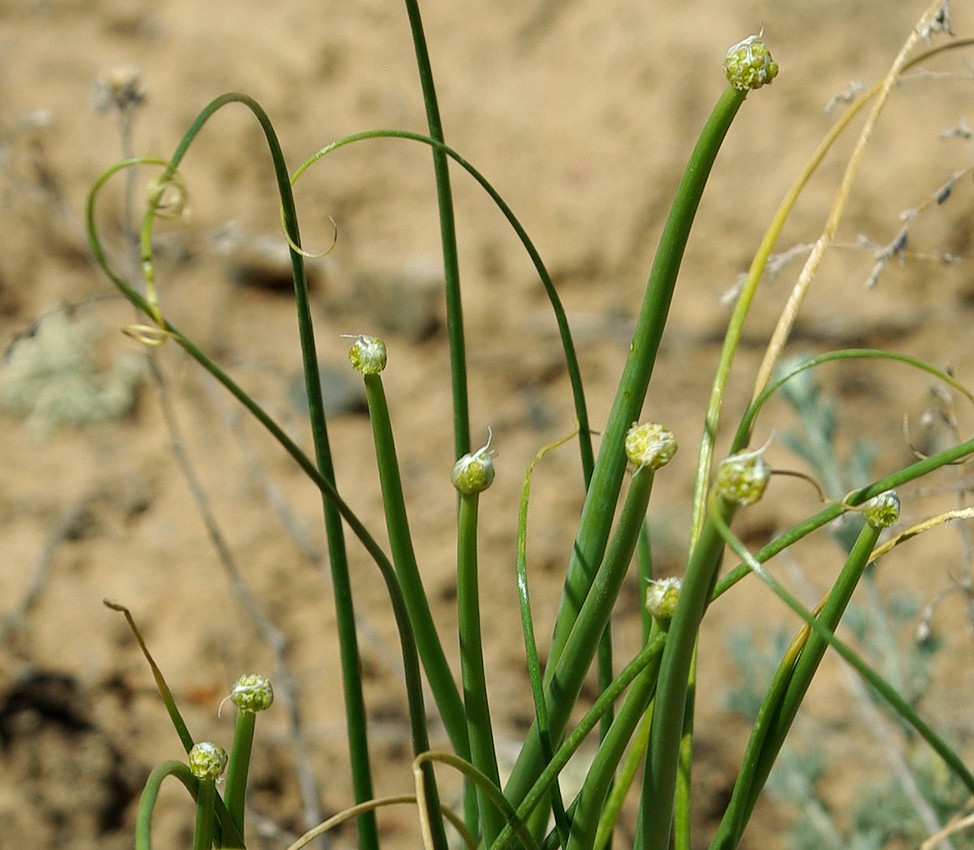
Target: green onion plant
639, 724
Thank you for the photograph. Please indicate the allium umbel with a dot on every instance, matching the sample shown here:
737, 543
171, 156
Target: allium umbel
474, 472
252, 692
367, 354
742, 478
749, 65
207, 760
661, 598
649, 445
883, 510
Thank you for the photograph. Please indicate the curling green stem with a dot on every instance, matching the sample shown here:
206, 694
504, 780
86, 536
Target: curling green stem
561, 318
747, 422
431, 652
317, 471
150, 793
228, 835
483, 756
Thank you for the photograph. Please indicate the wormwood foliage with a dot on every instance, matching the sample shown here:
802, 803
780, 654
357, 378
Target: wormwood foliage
641, 719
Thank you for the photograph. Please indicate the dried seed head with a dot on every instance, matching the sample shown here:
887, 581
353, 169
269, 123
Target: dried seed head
119, 87
368, 354
252, 692
883, 510
661, 598
650, 445
742, 478
474, 472
207, 760
749, 65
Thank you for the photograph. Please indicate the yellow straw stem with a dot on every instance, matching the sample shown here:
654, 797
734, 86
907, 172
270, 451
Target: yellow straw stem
788, 316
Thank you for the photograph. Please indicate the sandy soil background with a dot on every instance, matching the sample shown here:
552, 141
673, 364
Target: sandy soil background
582, 113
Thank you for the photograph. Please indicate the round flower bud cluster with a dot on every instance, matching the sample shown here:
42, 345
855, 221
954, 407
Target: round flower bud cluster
649, 445
474, 472
749, 65
252, 693
742, 478
883, 510
368, 354
207, 760
661, 598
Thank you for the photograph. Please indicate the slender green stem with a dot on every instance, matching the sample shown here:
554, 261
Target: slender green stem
150, 793
315, 473
950, 758
561, 318
563, 689
203, 831
531, 644
355, 713
784, 696
483, 756
590, 804
627, 774
663, 757
644, 553
448, 237
747, 422
684, 774
431, 652
647, 655
890, 482
603, 493
239, 766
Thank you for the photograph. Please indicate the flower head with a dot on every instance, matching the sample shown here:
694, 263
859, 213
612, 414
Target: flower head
474, 472
749, 65
649, 445
883, 510
252, 692
207, 760
368, 354
742, 478
662, 596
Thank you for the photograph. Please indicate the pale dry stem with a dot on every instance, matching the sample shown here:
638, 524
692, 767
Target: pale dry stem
926, 24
